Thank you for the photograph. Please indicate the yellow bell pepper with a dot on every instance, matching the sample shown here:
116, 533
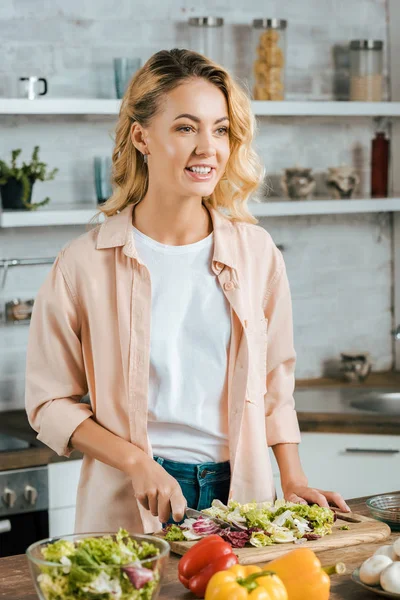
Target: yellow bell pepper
245, 583
301, 572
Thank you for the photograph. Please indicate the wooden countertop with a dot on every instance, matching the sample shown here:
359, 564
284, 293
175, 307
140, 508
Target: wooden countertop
15, 582
15, 423
376, 379
344, 422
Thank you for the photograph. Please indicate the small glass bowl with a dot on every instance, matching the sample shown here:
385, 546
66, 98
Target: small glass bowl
42, 570
386, 508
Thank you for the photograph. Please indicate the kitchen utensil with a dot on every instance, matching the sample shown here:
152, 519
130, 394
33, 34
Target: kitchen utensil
38, 565
124, 69
192, 513
386, 508
29, 87
372, 588
362, 530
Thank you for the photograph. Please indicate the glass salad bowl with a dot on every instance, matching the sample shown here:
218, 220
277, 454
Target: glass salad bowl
386, 508
110, 566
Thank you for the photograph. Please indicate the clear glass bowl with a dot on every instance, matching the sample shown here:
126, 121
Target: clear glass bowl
48, 575
386, 508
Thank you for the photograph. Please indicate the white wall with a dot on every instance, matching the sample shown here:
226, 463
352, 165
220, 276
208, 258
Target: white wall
339, 267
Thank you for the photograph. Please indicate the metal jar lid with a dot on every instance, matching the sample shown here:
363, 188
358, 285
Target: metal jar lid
366, 45
206, 21
269, 23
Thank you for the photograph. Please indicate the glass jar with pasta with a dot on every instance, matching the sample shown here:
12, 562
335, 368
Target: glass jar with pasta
269, 64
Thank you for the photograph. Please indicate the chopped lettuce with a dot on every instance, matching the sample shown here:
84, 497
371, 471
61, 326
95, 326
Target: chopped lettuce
174, 534
99, 568
273, 523
54, 552
259, 539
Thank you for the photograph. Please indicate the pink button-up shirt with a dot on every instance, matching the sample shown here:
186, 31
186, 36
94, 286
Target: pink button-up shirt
90, 332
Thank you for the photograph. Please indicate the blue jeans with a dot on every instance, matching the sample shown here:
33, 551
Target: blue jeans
200, 483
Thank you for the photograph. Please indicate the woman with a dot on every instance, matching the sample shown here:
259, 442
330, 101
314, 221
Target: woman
174, 316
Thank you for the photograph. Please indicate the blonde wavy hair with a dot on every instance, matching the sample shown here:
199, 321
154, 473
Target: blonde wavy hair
162, 73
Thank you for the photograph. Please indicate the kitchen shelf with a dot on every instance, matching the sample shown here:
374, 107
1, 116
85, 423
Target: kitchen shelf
289, 108
277, 208
326, 109
44, 217
59, 106
271, 208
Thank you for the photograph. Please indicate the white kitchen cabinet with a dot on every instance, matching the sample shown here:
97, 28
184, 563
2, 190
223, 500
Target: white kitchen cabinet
63, 487
61, 521
351, 464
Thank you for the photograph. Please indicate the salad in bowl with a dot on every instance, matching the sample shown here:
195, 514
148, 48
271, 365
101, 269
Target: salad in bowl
102, 566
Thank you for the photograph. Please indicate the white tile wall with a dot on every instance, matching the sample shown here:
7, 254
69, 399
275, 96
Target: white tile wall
339, 267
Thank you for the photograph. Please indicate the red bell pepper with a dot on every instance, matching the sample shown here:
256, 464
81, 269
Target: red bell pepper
206, 557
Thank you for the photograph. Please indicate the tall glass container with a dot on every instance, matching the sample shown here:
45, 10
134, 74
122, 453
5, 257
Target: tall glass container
366, 64
269, 66
206, 37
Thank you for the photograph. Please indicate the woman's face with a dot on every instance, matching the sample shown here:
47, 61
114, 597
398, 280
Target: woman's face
188, 141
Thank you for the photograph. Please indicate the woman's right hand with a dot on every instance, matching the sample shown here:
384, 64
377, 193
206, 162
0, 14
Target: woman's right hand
157, 491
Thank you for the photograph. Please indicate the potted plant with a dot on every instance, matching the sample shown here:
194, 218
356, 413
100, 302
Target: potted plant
16, 182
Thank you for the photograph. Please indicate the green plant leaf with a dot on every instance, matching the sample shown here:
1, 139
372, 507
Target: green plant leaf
27, 174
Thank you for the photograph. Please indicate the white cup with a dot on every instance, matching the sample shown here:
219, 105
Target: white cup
29, 87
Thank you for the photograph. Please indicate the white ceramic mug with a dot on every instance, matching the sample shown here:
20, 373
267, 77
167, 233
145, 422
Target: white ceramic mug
29, 87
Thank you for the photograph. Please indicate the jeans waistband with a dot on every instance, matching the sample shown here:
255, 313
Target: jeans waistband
193, 470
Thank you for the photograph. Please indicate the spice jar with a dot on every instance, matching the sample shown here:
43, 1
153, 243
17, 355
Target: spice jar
206, 37
269, 50
366, 61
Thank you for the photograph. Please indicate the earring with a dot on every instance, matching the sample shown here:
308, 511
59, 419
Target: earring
145, 158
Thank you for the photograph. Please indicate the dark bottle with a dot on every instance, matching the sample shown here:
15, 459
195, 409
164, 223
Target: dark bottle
379, 165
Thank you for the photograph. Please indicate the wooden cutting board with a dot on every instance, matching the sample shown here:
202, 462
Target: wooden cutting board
361, 530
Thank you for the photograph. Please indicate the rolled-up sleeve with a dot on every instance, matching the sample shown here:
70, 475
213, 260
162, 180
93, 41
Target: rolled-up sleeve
55, 374
281, 418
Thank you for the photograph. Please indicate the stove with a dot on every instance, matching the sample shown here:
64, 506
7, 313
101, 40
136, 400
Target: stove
24, 501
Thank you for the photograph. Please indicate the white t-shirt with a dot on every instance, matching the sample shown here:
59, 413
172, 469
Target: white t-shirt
189, 343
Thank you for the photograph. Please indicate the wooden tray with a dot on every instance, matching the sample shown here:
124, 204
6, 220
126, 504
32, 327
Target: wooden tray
361, 530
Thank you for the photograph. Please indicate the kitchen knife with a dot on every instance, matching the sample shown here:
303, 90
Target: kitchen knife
195, 514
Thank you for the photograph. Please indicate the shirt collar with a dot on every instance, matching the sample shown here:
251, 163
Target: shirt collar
117, 231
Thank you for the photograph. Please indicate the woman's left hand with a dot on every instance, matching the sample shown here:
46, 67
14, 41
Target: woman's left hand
301, 494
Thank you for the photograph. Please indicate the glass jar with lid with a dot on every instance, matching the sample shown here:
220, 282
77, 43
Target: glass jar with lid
269, 64
206, 37
366, 65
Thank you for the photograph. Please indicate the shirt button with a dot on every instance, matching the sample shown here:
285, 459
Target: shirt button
229, 285
219, 266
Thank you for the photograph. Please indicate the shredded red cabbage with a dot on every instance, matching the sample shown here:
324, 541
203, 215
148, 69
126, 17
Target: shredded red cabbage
237, 539
311, 536
138, 576
204, 526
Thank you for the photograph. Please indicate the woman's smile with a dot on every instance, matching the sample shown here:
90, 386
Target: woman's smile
200, 172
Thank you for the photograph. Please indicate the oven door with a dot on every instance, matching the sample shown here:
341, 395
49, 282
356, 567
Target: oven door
17, 532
